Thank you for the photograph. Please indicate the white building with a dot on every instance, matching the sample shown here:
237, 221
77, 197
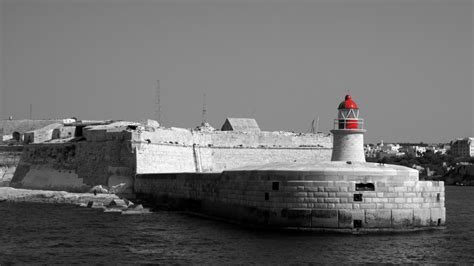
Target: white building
416, 151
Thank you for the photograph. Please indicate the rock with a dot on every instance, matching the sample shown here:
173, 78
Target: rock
118, 204
99, 189
95, 205
114, 210
119, 188
136, 209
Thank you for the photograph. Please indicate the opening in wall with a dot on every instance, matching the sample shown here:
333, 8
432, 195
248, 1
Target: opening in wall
365, 187
357, 197
275, 185
357, 223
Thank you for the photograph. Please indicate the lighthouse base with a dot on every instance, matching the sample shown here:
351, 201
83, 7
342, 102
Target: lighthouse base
348, 145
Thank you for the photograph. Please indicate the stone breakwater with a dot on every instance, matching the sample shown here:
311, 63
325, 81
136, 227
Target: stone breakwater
57, 197
332, 196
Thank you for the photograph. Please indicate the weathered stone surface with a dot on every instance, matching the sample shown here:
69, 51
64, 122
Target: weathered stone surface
378, 218
347, 217
324, 218
438, 216
421, 217
348, 145
297, 217
402, 218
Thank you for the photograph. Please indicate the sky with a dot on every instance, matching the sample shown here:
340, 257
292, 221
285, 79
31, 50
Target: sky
408, 64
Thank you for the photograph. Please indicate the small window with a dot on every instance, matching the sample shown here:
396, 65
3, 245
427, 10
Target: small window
365, 187
275, 185
357, 223
357, 197
267, 196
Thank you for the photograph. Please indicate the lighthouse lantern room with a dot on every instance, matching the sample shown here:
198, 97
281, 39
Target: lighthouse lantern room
348, 115
348, 133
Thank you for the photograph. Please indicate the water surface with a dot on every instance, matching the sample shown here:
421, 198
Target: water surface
46, 233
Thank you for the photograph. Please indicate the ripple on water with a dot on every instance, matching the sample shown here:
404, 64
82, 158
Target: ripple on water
47, 234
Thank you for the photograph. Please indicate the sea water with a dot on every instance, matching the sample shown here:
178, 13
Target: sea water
64, 234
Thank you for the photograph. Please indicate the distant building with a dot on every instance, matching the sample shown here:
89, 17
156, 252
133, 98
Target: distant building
240, 124
383, 154
463, 147
40, 135
387, 150
391, 148
370, 151
416, 151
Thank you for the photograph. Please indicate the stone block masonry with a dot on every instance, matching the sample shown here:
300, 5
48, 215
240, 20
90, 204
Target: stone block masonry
289, 199
9, 159
110, 155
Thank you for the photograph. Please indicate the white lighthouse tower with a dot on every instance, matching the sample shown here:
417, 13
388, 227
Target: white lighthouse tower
348, 133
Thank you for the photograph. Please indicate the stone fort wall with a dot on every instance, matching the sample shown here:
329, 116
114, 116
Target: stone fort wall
9, 159
179, 150
109, 156
74, 166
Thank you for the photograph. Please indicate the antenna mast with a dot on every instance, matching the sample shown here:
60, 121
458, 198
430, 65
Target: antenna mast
157, 102
313, 128
204, 109
317, 125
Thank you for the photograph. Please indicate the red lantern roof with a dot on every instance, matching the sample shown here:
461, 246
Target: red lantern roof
348, 103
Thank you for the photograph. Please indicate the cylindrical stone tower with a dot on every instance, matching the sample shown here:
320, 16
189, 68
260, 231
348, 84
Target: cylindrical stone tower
348, 133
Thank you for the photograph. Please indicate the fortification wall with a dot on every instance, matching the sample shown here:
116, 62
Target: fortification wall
106, 163
221, 159
233, 139
172, 158
285, 200
9, 159
74, 166
164, 158
181, 150
110, 156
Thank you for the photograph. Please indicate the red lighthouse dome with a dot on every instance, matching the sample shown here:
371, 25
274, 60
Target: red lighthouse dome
348, 103
348, 114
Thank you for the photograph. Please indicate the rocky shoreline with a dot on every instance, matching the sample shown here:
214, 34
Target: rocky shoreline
107, 202
58, 197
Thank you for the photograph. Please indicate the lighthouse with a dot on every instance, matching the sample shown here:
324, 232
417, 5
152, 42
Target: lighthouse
348, 133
